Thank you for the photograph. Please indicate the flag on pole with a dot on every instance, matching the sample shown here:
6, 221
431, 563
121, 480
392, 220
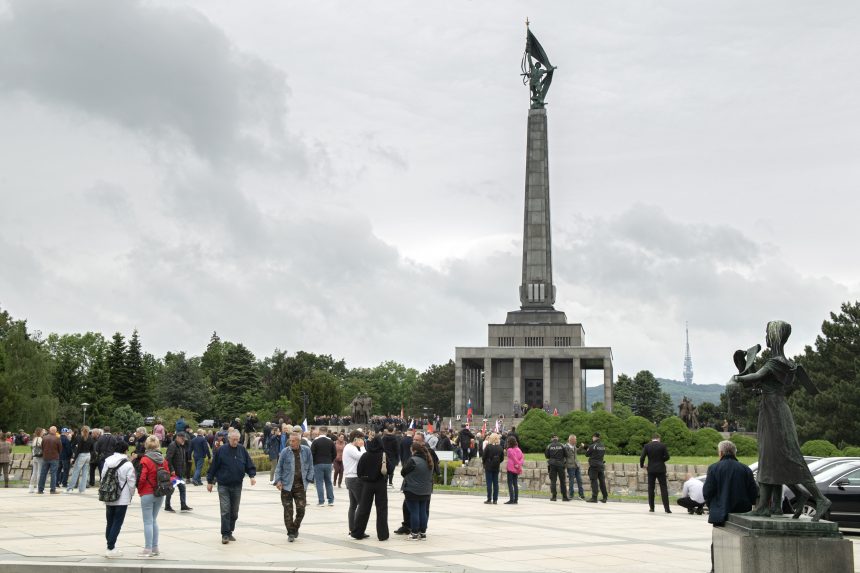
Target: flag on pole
469, 408
305, 425
412, 424
449, 424
497, 427
430, 428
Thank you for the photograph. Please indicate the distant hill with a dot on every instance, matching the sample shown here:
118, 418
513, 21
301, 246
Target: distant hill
677, 389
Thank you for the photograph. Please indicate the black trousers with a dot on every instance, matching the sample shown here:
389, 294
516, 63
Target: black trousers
664, 489
353, 488
557, 473
372, 492
690, 503
597, 477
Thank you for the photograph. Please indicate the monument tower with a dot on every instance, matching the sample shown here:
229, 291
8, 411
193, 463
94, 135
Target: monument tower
535, 357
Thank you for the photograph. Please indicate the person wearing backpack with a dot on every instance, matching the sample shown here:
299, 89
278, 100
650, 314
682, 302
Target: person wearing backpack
116, 490
151, 488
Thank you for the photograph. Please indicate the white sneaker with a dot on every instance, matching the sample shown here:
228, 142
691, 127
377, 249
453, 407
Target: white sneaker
155, 552
113, 553
145, 553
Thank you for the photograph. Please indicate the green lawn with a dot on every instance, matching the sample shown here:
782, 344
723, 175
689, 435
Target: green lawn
688, 460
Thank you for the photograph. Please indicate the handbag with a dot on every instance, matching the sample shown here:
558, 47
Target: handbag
37, 449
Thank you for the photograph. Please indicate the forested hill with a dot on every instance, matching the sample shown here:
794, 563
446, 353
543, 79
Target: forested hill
677, 389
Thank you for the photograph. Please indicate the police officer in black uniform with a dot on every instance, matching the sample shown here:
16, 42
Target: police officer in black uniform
596, 473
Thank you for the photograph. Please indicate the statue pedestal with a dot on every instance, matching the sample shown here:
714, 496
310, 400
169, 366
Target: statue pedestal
750, 544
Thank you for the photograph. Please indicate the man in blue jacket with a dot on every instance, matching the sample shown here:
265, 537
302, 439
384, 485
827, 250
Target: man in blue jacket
228, 468
729, 488
200, 451
295, 470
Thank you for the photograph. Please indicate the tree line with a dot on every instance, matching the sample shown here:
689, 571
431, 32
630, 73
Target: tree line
833, 413
45, 379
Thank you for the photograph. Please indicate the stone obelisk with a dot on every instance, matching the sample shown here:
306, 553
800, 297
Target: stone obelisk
537, 290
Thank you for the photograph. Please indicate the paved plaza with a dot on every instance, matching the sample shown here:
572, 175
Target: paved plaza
66, 533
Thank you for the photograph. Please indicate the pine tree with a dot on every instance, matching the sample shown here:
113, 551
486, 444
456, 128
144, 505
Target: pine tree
120, 379
212, 361
239, 375
139, 394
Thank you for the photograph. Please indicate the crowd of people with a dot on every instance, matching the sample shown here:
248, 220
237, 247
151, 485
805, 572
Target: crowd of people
364, 462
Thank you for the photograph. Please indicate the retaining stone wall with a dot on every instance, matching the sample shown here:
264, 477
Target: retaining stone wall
621, 479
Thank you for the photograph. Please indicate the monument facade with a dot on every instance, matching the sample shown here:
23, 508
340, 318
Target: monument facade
536, 357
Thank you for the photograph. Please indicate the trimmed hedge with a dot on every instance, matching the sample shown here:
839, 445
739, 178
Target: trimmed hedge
621, 436
820, 448
746, 445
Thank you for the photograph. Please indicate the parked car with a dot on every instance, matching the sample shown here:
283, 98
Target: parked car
840, 483
207, 424
149, 420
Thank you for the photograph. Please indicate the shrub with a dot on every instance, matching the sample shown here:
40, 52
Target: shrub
125, 419
746, 445
677, 436
611, 431
168, 417
820, 448
536, 429
450, 471
638, 431
705, 442
576, 423
852, 451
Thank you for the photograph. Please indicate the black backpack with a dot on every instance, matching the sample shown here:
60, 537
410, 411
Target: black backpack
163, 484
109, 489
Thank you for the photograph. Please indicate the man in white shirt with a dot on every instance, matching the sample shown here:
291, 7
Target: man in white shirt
692, 497
351, 454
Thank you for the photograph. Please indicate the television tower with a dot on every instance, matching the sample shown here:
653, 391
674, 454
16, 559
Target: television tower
688, 362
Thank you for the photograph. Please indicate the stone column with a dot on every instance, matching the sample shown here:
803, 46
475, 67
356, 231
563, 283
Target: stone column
459, 394
547, 381
607, 384
518, 381
488, 387
577, 384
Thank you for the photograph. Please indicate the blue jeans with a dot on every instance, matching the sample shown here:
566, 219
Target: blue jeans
418, 514
198, 467
229, 497
79, 473
575, 474
115, 515
513, 486
492, 478
150, 506
63, 474
322, 477
48, 466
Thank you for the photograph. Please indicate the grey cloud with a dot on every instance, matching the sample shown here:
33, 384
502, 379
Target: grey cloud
156, 71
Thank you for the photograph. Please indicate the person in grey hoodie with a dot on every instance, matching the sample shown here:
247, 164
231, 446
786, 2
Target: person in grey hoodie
115, 510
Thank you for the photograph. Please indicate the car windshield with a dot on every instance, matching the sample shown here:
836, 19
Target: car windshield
836, 471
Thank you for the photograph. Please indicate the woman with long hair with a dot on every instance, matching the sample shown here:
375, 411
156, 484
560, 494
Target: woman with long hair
515, 468
36, 449
150, 505
81, 461
417, 475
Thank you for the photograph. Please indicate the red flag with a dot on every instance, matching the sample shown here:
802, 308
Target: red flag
430, 428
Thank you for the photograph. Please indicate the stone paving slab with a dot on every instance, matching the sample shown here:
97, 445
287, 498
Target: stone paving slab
65, 532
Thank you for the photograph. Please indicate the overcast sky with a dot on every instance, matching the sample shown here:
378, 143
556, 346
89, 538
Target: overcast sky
347, 177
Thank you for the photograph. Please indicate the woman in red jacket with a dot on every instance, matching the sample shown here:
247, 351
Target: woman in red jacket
149, 503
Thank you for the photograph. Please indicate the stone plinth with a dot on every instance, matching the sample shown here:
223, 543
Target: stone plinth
750, 544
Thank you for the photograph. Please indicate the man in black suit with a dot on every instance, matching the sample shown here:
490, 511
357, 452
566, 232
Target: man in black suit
729, 488
657, 455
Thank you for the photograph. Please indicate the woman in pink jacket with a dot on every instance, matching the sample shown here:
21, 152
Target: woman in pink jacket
515, 468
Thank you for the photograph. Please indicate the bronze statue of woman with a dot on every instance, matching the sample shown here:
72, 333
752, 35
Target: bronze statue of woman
779, 458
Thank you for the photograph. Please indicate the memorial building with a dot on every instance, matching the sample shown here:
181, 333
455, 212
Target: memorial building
536, 357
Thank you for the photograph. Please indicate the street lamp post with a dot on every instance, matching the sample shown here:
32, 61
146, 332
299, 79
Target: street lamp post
304, 406
85, 406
